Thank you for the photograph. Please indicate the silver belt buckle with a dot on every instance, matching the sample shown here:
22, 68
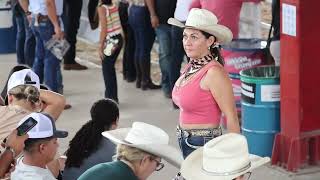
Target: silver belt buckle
216, 131
185, 133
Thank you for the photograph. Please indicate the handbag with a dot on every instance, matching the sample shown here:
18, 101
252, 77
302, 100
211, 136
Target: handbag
111, 45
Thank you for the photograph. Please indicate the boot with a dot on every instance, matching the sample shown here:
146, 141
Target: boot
138, 73
146, 79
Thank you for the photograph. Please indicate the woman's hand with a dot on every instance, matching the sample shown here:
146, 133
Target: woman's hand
101, 53
16, 142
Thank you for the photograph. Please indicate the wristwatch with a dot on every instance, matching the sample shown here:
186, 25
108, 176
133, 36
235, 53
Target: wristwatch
27, 13
12, 151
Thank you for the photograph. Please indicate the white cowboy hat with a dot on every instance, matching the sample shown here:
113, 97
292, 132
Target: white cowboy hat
148, 138
223, 158
206, 21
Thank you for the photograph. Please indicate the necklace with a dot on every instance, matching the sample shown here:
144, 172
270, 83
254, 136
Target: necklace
197, 64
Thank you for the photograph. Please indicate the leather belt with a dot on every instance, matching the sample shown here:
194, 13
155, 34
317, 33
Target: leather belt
214, 132
42, 18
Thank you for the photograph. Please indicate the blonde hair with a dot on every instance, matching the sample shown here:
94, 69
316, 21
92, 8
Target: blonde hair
130, 154
25, 92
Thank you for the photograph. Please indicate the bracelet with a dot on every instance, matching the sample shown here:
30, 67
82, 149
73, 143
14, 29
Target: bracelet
12, 151
152, 16
27, 13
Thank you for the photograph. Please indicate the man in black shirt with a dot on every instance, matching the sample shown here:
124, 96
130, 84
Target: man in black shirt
160, 12
72, 13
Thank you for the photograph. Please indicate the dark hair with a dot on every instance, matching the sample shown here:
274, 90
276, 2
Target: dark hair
215, 50
106, 2
104, 113
31, 142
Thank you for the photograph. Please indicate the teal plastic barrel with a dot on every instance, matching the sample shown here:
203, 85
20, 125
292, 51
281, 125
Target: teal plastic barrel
260, 100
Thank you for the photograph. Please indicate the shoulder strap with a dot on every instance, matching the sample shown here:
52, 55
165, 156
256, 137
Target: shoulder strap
272, 25
107, 10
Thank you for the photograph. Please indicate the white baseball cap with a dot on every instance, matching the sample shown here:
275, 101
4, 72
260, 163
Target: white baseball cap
44, 128
23, 77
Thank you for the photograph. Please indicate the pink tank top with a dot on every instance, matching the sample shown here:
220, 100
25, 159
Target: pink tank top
197, 106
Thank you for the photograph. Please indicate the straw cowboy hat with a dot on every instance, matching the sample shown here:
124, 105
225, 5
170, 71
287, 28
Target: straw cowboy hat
223, 158
148, 138
206, 21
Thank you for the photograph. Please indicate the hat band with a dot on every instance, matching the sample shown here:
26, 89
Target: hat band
126, 141
30, 82
227, 173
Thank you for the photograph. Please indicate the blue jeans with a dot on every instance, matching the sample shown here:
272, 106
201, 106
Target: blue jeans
189, 144
46, 65
177, 54
20, 39
25, 41
29, 43
109, 72
163, 32
139, 20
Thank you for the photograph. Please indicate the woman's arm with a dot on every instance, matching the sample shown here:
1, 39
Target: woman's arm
219, 84
103, 32
53, 103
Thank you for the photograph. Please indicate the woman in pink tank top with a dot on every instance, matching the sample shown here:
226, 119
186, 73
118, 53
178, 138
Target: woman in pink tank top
203, 90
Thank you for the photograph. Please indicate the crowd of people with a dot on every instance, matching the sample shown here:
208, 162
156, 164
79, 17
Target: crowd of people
99, 149
132, 24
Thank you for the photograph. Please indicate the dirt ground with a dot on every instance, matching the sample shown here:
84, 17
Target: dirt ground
89, 52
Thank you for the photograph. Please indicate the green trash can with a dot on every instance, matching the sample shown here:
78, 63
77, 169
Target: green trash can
260, 100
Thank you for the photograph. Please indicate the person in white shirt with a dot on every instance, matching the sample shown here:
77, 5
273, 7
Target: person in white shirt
40, 149
46, 24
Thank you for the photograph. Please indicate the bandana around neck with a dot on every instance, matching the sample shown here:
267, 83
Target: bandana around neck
197, 64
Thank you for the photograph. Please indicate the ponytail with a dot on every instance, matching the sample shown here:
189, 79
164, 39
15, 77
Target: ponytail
214, 49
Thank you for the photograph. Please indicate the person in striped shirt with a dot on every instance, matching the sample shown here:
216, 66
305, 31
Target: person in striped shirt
111, 42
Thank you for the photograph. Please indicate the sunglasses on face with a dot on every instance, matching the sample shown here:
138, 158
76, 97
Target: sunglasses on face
160, 165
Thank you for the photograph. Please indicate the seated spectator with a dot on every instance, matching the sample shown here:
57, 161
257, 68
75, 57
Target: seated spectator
40, 149
23, 97
88, 147
139, 154
13, 147
223, 158
13, 70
